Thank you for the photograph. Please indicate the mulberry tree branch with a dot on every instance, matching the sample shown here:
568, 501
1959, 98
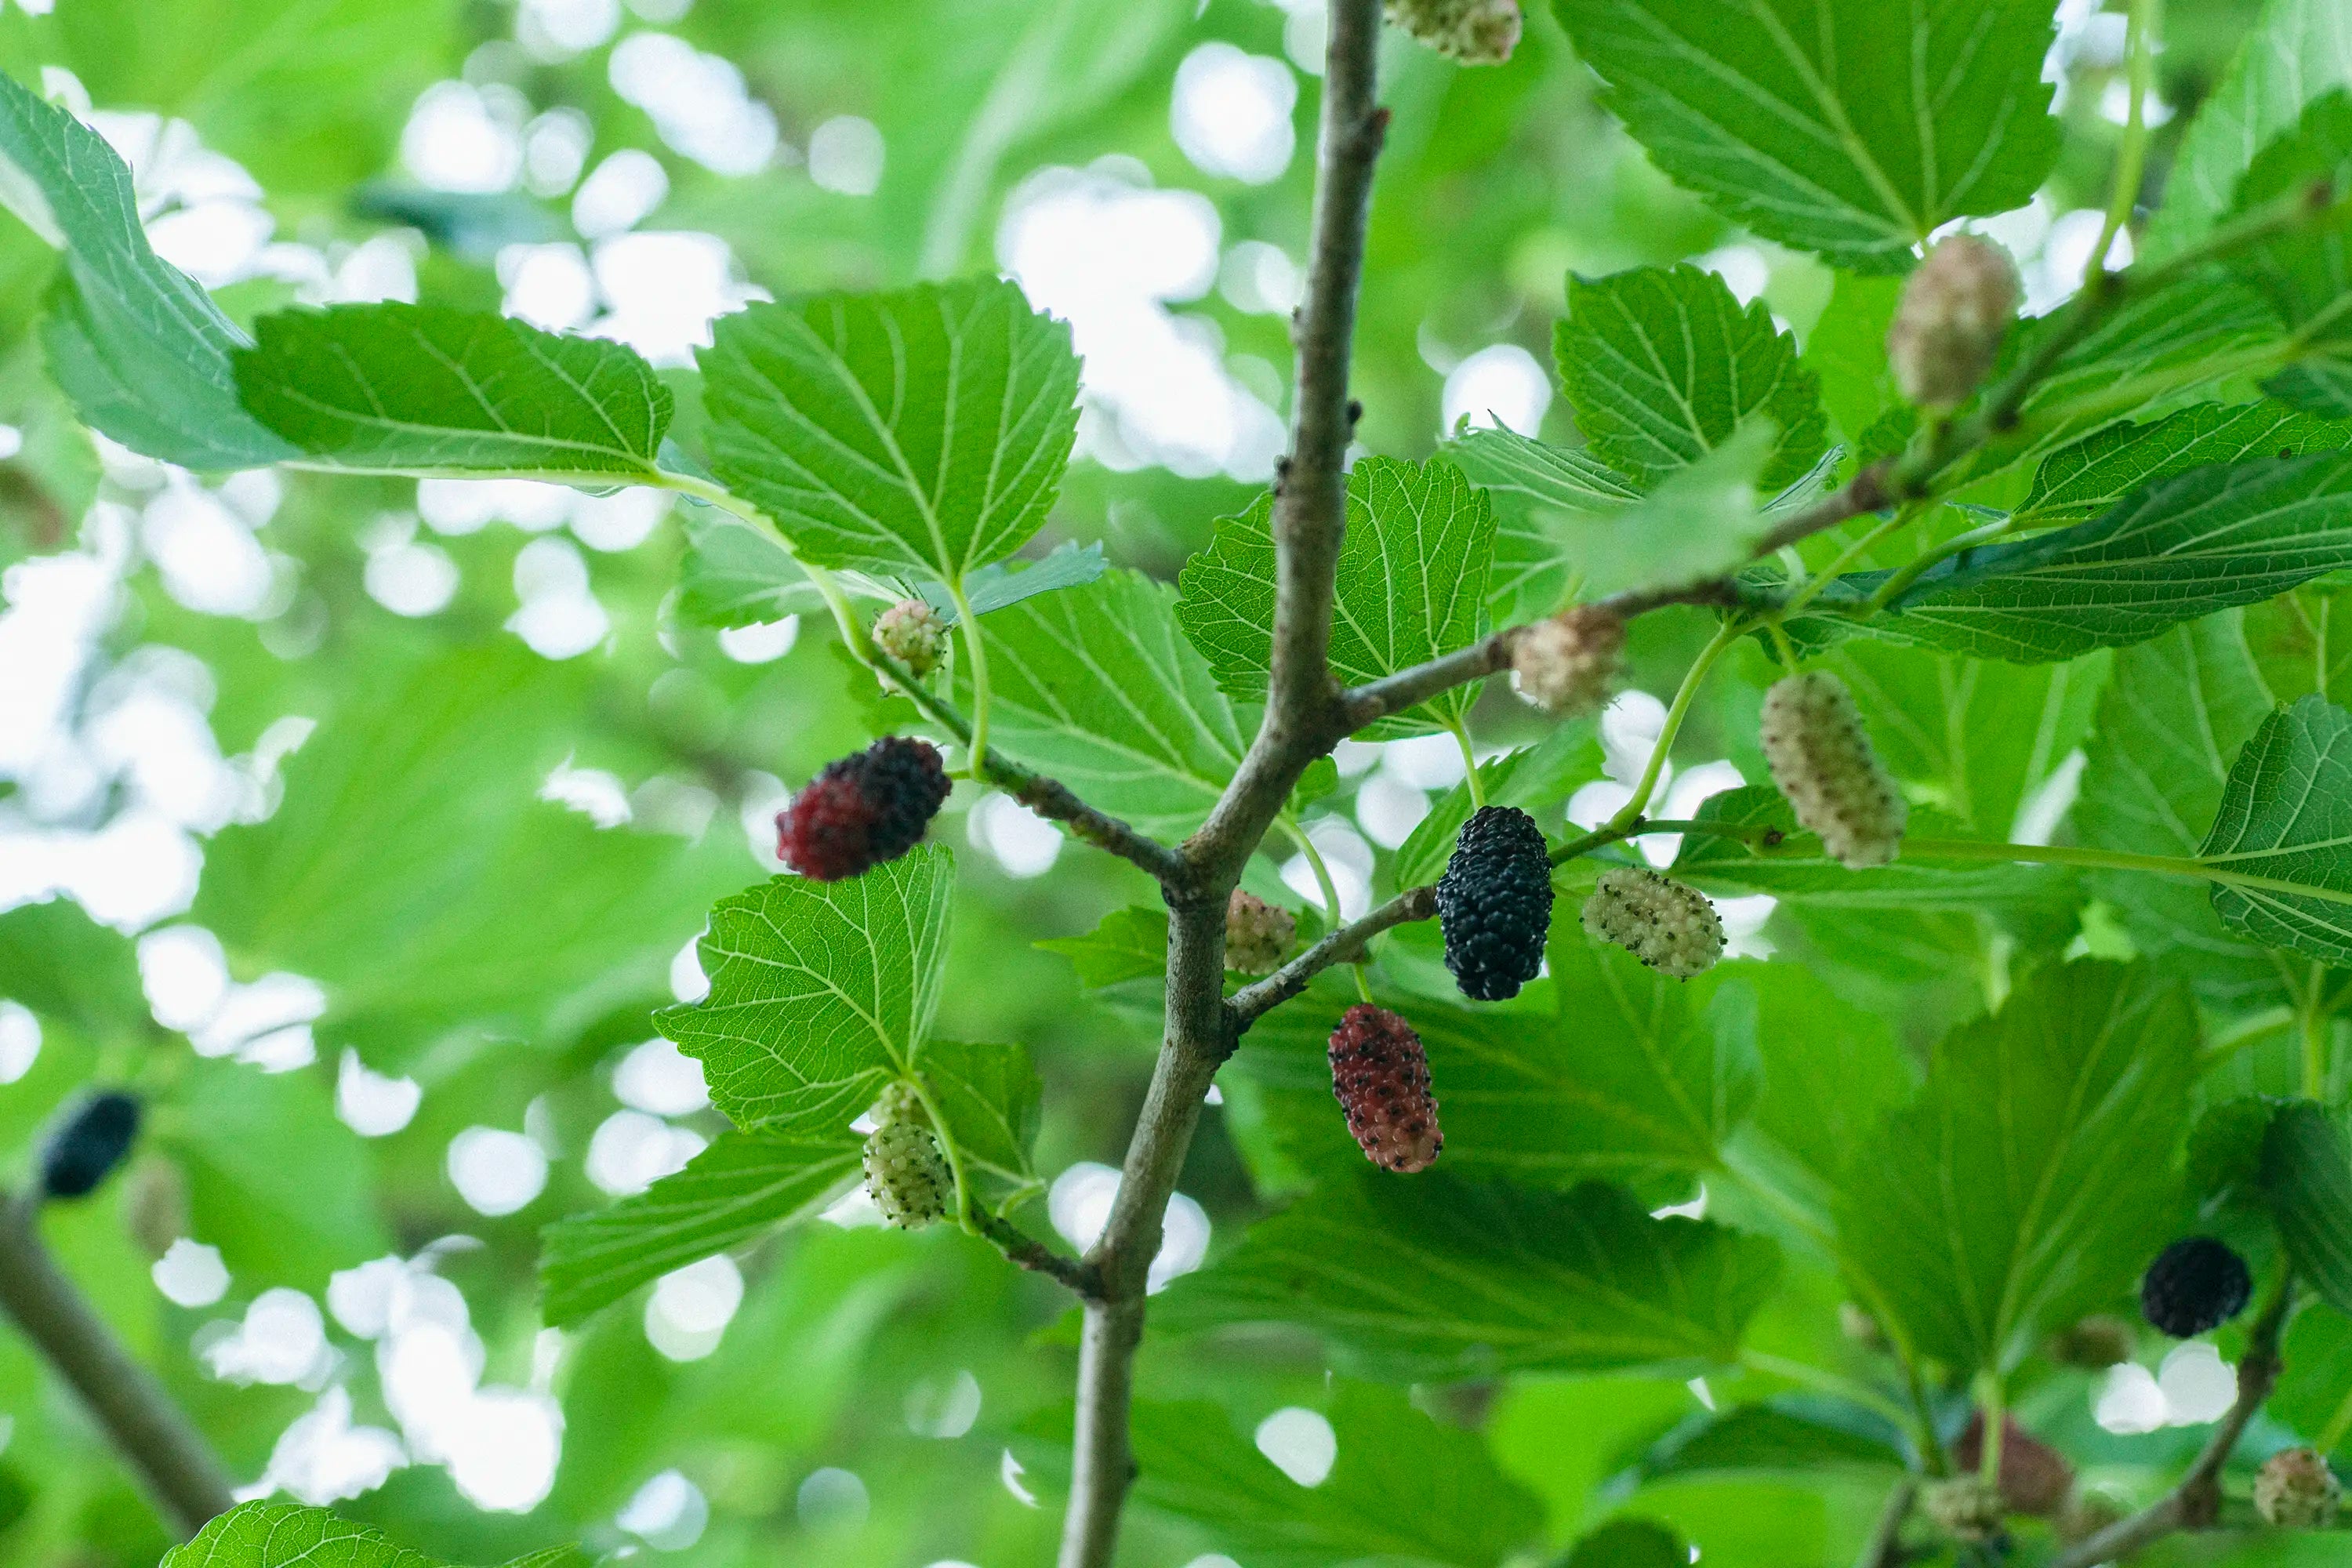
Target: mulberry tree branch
1948, 455
1304, 719
1028, 1252
2194, 1502
173, 1462
1048, 797
1344, 945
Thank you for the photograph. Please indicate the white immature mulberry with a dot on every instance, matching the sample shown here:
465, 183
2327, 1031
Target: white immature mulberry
1668, 926
2294, 1490
1820, 758
1257, 934
1476, 32
911, 632
1965, 1507
1947, 328
1569, 664
905, 1174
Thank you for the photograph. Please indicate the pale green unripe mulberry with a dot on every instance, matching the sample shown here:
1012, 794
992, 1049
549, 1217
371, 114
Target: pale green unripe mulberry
911, 632
1820, 758
1257, 934
1965, 1507
1569, 664
1476, 32
1954, 312
905, 1174
1668, 926
2295, 1490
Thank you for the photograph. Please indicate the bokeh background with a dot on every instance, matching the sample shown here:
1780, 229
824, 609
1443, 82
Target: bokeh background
360, 824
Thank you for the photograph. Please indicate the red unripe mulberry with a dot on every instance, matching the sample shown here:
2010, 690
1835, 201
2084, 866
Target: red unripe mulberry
863, 810
1379, 1072
2036, 1478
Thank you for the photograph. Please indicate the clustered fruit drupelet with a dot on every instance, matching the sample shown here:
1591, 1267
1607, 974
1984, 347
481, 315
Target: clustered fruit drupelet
1379, 1074
1821, 761
1257, 934
905, 1174
1668, 926
1965, 1507
85, 1150
2195, 1285
1567, 664
1493, 903
911, 632
1476, 32
2294, 1490
863, 810
1948, 325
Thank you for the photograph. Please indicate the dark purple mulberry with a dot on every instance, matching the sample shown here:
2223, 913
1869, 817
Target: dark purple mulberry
85, 1150
2194, 1285
1493, 903
863, 810
1379, 1074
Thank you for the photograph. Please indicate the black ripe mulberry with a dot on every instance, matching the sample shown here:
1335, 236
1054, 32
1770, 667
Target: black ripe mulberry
1380, 1073
1493, 903
905, 1174
89, 1145
863, 810
2194, 1285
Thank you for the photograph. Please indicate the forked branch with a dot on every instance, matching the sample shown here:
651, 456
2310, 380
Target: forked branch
1936, 462
2196, 1500
1303, 719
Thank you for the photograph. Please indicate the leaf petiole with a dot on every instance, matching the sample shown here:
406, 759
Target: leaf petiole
969, 625
1315, 864
1469, 765
1631, 811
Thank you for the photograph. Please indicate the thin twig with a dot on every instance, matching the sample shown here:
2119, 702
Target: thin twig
1922, 472
2193, 1503
1343, 945
1035, 1256
173, 1460
1048, 797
